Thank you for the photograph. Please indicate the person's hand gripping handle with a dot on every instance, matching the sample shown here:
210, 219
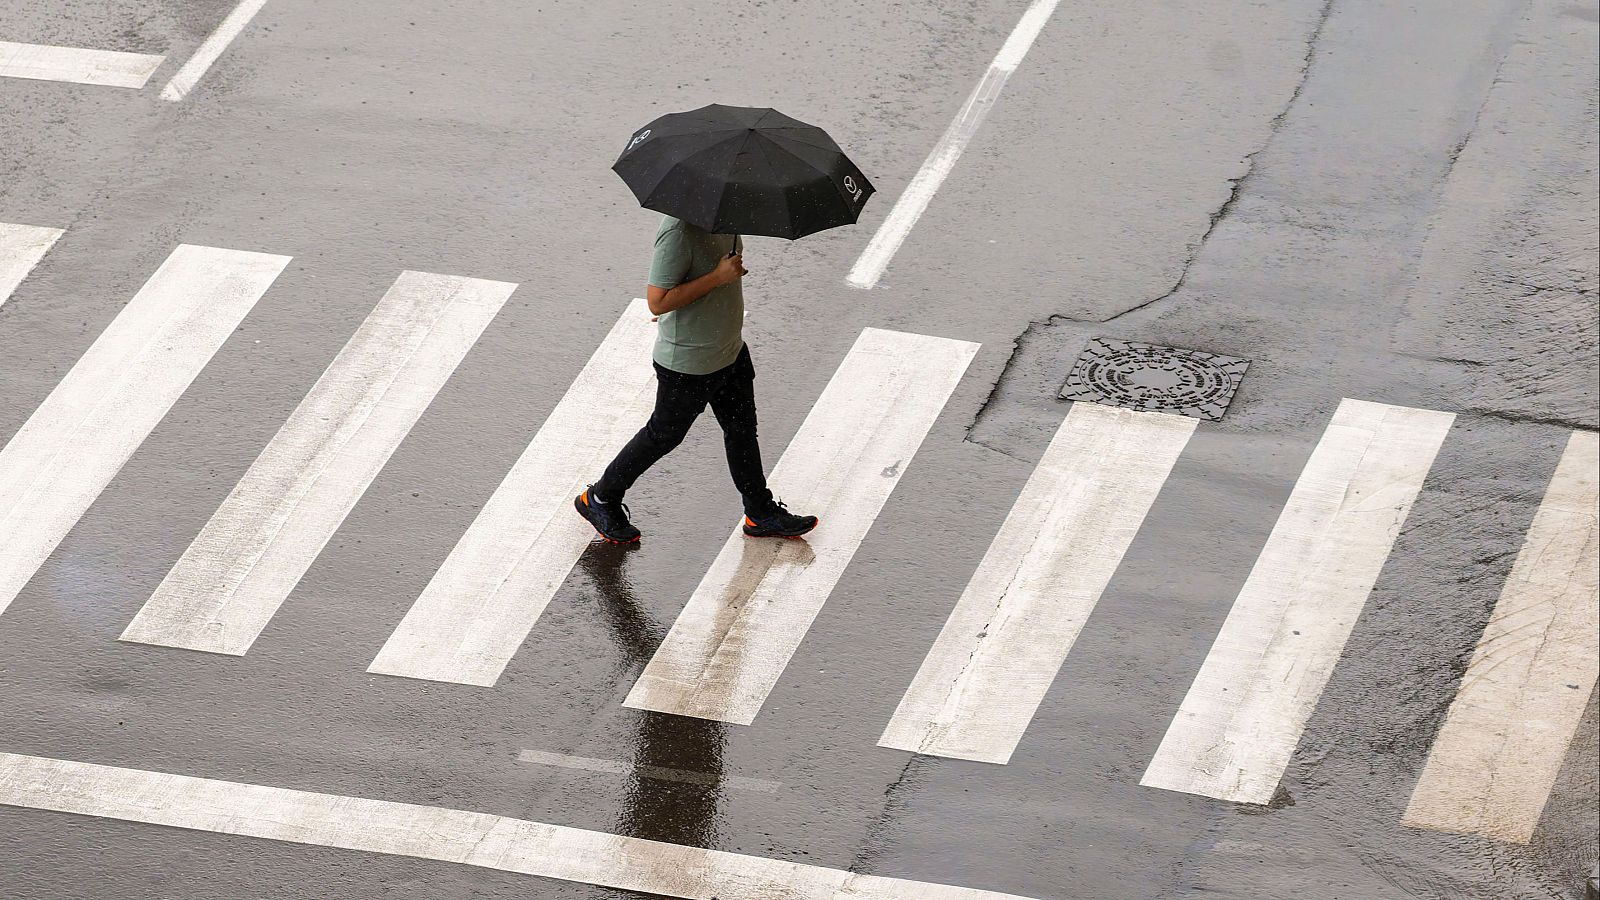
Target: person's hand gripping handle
730, 268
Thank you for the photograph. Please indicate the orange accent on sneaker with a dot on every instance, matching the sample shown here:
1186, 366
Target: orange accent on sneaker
748, 522
584, 497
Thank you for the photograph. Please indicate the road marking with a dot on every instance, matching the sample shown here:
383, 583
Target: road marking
1238, 726
1523, 696
749, 613
193, 70
431, 832
76, 441
1018, 617
659, 773
479, 607
21, 248
106, 68
886, 241
248, 558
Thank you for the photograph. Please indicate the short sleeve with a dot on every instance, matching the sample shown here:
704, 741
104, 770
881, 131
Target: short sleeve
673, 257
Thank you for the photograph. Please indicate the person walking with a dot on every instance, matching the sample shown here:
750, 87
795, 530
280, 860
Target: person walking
696, 292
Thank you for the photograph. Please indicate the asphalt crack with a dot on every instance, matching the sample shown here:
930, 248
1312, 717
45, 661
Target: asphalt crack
1237, 185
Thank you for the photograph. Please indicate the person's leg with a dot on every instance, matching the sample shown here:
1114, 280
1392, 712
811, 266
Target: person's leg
680, 398
734, 405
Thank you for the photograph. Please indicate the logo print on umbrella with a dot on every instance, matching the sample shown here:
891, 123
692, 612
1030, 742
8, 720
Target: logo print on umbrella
637, 139
851, 188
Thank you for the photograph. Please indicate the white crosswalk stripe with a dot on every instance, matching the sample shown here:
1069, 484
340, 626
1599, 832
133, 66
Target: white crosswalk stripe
250, 555
431, 832
1238, 725
1523, 695
21, 248
55, 466
1040, 579
942, 158
480, 605
749, 613
108, 68
210, 50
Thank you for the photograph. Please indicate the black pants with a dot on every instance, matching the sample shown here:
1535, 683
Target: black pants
680, 398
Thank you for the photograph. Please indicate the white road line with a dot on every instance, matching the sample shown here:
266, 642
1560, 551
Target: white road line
1044, 572
107, 68
660, 773
76, 441
1523, 696
193, 70
749, 613
1238, 725
480, 605
431, 832
21, 248
247, 559
875, 258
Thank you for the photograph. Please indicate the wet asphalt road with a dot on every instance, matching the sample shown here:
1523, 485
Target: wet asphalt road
1367, 199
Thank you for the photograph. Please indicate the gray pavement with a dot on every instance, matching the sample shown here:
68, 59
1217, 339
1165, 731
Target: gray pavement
1368, 200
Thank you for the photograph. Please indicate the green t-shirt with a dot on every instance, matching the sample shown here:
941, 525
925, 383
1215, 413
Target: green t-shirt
707, 334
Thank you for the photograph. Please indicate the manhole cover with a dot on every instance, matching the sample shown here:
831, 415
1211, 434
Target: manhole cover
1155, 379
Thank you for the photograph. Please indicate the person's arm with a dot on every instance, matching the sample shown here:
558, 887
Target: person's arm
665, 300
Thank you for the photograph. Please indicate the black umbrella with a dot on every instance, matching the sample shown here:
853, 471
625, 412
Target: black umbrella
743, 170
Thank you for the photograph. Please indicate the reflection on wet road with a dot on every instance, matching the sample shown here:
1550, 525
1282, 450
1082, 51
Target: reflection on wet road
657, 808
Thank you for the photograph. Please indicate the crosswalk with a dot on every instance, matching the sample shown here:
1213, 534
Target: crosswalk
431, 832
727, 649
1241, 720
77, 440
121, 69
481, 604
273, 525
105, 68
21, 248
1490, 770
1041, 578
1010, 628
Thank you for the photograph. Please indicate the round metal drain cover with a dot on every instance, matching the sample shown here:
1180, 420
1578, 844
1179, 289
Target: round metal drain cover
1155, 379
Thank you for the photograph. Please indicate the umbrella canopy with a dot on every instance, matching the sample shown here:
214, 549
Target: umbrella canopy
743, 170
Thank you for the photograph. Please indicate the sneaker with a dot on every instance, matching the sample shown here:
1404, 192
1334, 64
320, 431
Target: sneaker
778, 522
610, 519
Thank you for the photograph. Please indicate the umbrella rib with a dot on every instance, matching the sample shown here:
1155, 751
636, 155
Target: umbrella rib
782, 188
834, 185
685, 161
771, 172
651, 193
824, 169
831, 146
650, 197
703, 132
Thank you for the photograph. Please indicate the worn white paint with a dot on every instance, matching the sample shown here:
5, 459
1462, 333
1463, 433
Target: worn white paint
749, 613
614, 767
1238, 726
270, 529
431, 832
21, 248
1044, 572
106, 68
208, 51
919, 193
480, 605
76, 441
1523, 695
